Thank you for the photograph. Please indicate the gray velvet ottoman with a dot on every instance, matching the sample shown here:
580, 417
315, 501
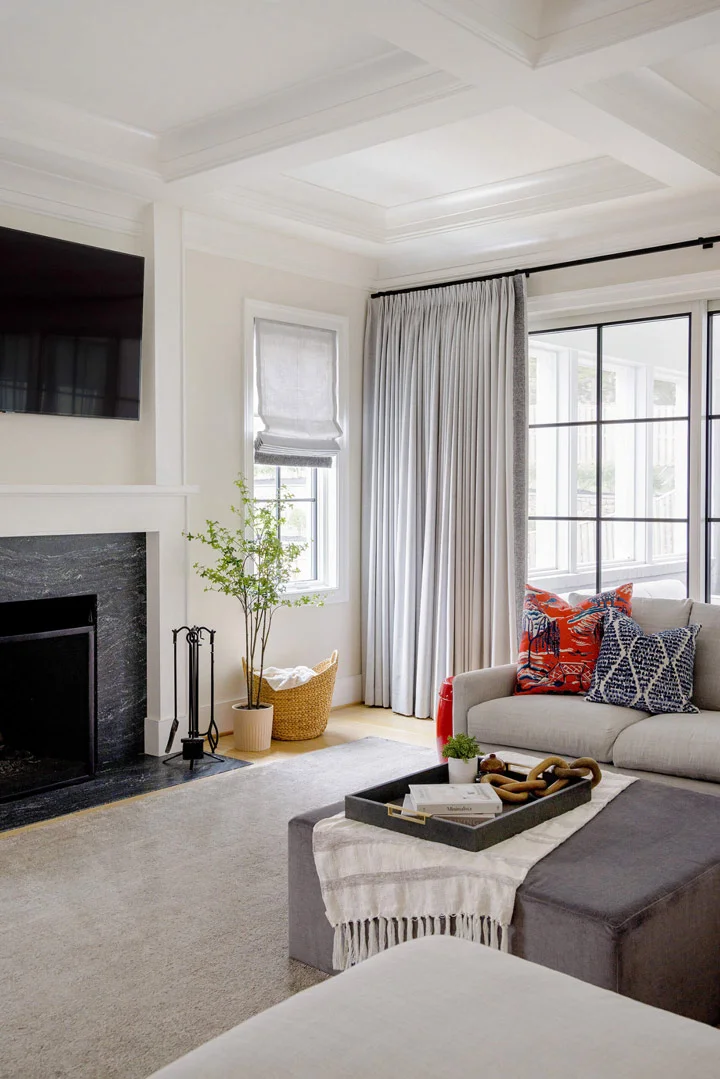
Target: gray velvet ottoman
631, 902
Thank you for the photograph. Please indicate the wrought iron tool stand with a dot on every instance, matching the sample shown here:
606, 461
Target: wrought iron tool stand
193, 747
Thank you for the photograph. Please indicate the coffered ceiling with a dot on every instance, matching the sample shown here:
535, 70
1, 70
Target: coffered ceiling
430, 136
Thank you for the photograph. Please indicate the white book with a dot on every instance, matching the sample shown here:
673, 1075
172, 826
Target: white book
457, 799
462, 818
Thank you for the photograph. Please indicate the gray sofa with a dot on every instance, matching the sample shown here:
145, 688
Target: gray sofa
680, 745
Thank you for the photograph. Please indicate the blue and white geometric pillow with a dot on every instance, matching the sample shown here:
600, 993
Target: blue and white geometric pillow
652, 672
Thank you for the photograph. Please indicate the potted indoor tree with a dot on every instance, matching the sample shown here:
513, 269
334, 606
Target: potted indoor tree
462, 751
254, 566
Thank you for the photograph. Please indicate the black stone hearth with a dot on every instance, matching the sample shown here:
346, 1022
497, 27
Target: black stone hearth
108, 571
140, 776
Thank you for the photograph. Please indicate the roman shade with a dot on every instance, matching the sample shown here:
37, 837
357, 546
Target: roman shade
297, 394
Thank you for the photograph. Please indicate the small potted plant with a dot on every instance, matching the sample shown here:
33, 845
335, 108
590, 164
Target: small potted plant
462, 752
254, 566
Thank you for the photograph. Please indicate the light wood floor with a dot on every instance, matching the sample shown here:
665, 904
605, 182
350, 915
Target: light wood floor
346, 725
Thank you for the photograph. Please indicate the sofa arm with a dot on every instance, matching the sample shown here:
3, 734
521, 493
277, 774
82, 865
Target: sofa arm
477, 686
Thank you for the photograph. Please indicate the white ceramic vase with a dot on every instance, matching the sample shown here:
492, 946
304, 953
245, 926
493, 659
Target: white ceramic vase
462, 771
252, 727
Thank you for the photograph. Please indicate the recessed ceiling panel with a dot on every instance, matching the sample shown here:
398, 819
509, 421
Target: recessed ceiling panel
156, 64
497, 146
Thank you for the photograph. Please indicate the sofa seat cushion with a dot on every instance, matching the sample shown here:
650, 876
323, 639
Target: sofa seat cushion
673, 744
553, 724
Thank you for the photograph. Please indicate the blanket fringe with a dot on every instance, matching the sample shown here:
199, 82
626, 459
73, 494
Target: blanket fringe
355, 941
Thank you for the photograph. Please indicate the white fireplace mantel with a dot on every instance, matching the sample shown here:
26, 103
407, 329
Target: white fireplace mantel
160, 509
126, 490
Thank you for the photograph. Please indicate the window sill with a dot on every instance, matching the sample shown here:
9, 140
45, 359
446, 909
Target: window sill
329, 593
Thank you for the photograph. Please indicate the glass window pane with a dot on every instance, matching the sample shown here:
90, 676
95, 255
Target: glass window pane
561, 555
642, 553
562, 376
298, 528
298, 480
265, 481
645, 470
562, 476
715, 363
714, 569
645, 369
714, 436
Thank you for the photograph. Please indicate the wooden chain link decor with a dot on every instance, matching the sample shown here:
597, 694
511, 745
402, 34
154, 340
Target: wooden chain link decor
516, 790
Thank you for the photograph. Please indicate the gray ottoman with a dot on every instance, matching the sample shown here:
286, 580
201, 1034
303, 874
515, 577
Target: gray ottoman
631, 902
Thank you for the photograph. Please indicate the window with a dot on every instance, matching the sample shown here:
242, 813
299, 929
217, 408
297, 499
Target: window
712, 542
301, 520
608, 455
295, 385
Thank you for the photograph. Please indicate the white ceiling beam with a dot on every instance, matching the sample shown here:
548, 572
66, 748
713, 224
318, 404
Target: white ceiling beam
442, 34
393, 84
401, 93
617, 131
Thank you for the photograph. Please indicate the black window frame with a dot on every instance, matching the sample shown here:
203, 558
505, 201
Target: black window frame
599, 423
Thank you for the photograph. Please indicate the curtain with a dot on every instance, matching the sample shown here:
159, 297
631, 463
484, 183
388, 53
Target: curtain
297, 394
444, 487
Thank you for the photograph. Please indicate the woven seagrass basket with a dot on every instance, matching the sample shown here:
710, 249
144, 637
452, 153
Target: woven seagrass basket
301, 712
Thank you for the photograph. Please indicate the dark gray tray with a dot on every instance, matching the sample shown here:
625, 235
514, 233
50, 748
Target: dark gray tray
371, 807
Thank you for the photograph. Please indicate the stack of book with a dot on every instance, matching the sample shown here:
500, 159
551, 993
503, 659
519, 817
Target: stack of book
469, 803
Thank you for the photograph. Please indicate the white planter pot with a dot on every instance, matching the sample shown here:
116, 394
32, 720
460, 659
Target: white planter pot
461, 771
252, 727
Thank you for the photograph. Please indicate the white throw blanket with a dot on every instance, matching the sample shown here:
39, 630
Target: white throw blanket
381, 887
287, 677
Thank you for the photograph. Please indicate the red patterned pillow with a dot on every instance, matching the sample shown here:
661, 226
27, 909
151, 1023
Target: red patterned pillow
560, 643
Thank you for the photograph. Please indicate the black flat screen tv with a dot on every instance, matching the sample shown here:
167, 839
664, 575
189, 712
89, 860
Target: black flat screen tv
70, 328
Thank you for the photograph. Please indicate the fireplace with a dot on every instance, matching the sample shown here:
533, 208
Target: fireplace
47, 693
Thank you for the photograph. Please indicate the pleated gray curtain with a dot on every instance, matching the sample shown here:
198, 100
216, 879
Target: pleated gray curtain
444, 487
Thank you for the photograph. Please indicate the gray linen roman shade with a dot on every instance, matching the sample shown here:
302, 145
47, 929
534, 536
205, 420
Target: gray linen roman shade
297, 394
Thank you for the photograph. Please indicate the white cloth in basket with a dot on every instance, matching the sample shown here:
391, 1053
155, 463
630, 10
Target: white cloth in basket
287, 677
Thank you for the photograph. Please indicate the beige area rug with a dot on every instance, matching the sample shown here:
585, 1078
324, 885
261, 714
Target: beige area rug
134, 932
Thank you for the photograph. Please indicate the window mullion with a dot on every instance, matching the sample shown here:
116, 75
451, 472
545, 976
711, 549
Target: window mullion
598, 457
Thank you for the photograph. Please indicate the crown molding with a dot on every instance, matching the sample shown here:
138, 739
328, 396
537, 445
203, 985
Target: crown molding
631, 229
591, 33
580, 184
70, 200
583, 183
69, 132
278, 251
655, 291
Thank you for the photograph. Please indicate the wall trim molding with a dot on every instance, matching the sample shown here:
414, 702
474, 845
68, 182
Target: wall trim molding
279, 251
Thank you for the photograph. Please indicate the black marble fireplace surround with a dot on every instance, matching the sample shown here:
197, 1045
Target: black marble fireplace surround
110, 570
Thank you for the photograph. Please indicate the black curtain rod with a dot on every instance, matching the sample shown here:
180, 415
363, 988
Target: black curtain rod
701, 241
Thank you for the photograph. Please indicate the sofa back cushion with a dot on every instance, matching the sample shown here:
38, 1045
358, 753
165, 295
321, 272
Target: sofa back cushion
707, 656
654, 615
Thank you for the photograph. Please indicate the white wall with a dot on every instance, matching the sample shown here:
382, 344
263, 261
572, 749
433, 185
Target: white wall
70, 449
215, 290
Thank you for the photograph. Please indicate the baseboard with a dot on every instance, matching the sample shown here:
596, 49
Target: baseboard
347, 691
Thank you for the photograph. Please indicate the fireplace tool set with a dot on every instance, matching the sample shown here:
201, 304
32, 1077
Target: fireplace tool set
193, 747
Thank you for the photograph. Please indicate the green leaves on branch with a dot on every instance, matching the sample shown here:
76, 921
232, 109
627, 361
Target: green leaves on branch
254, 566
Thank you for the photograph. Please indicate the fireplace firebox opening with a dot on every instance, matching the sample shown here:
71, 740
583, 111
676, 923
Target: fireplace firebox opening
48, 712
